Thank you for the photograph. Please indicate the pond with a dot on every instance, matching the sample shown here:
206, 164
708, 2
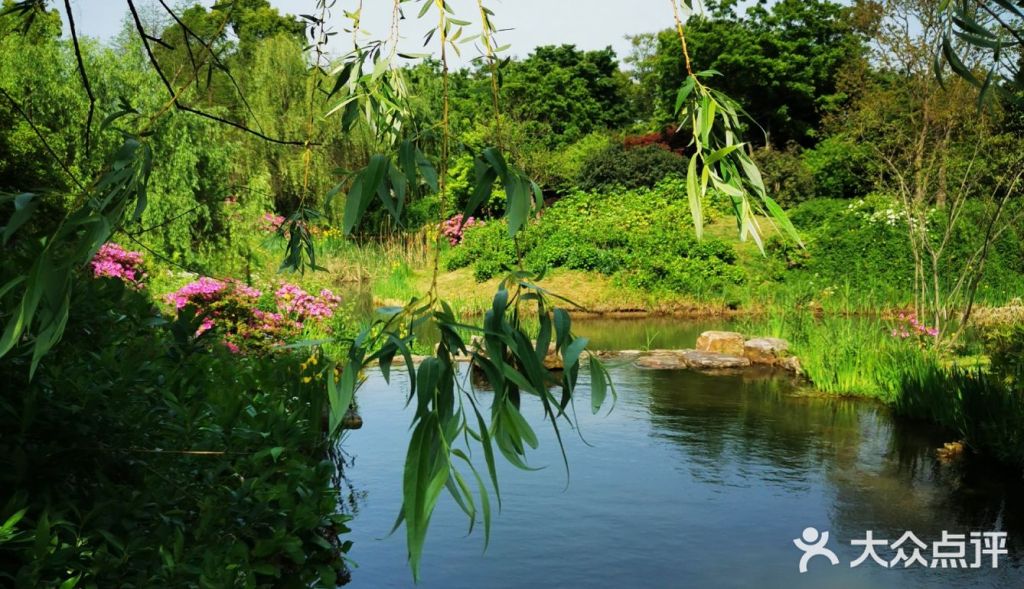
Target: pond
691, 481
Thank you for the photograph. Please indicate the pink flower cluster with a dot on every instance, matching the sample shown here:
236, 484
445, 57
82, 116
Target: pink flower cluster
271, 222
295, 301
909, 326
453, 228
204, 290
113, 261
231, 307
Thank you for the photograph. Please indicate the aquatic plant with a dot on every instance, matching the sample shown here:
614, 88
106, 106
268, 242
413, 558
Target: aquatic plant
979, 407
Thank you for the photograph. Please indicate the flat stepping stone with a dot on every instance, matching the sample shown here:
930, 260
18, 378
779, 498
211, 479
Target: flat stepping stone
661, 361
699, 360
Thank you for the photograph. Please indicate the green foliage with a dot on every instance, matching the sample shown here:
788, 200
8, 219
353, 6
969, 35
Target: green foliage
786, 175
618, 167
564, 169
862, 242
841, 168
980, 407
1005, 347
572, 92
989, 27
780, 63
144, 457
635, 235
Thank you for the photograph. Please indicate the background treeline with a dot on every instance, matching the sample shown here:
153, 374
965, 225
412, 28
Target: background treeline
839, 96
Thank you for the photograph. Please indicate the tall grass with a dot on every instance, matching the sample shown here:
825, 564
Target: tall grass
980, 407
841, 355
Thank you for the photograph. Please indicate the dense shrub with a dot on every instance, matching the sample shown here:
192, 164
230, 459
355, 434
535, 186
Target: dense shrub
1005, 347
246, 320
138, 456
564, 167
863, 243
787, 176
642, 167
860, 243
486, 247
841, 168
643, 237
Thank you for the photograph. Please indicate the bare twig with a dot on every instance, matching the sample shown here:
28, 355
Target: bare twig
42, 138
175, 99
84, 75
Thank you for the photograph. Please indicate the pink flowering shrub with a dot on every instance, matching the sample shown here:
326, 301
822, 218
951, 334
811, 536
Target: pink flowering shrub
453, 228
232, 309
296, 302
271, 223
908, 326
113, 261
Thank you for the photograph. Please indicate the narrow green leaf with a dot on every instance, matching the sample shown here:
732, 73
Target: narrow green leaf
694, 196
598, 384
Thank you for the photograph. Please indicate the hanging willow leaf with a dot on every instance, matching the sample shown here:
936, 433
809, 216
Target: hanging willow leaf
43, 295
694, 195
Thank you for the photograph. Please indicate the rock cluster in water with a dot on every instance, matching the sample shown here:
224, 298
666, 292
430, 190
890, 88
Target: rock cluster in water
716, 351
722, 350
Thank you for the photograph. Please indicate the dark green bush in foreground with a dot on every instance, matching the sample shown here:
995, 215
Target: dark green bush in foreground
138, 457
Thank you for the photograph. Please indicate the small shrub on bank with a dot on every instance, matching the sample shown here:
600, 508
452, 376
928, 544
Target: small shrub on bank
786, 175
1005, 347
841, 168
642, 167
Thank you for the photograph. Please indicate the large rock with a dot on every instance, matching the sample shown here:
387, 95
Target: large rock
661, 361
553, 360
721, 342
701, 360
792, 364
766, 350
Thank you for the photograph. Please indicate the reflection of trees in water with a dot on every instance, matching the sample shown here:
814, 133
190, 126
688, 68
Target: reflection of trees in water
899, 484
882, 473
750, 422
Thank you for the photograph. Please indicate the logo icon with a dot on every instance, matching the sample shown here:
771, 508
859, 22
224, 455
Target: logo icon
813, 542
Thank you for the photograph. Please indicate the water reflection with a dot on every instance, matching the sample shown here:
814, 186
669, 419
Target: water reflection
698, 481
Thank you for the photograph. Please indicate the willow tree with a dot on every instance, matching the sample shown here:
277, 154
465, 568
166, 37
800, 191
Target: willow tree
365, 89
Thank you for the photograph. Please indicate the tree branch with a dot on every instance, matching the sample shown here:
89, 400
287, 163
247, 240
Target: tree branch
46, 144
185, 108
83, 74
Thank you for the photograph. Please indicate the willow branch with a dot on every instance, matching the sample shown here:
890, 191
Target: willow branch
175, 99
42, 138
82, 73
213, 55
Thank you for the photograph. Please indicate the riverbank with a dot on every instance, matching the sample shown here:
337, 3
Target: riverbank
593, 295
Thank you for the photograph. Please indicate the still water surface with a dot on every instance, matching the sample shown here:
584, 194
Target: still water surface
692, 481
